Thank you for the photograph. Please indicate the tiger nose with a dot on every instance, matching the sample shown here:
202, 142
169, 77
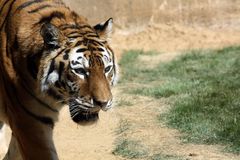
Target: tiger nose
102, 104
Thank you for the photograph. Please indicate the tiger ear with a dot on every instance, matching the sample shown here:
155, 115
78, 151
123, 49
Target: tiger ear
104, 30
50, 35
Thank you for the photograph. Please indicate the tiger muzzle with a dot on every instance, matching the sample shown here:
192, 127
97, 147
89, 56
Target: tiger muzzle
83, 112
87, 112
99, 97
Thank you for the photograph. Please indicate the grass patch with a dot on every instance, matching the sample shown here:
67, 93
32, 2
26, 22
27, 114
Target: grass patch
130, 149
123, 102
165, 157
124, 126
206, 90
164, 90
133, 71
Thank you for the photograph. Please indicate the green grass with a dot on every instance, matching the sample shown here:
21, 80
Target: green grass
133, 71
130, 149
204, 87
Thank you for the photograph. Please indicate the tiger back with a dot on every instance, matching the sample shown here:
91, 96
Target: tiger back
50, 57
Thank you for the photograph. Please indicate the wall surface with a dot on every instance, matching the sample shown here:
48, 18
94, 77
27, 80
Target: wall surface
131, 13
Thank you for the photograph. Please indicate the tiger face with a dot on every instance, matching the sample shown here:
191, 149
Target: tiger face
80, 71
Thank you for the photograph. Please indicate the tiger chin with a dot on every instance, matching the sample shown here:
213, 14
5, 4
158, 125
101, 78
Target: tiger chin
50, 57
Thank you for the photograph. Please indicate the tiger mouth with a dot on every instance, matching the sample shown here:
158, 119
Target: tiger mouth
83, 113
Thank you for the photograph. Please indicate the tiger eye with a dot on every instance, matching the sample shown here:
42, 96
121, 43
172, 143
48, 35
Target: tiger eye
80, 71
107, 69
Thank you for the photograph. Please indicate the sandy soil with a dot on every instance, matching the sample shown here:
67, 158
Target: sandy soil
93, 142
172, 38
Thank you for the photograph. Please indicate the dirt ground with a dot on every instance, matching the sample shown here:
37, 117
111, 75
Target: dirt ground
96, 142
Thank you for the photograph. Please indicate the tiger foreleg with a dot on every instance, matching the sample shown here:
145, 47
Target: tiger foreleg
13, 152
33, 140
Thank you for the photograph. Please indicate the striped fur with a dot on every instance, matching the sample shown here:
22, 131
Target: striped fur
50, 56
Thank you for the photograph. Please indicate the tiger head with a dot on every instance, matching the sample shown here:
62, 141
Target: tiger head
78, 68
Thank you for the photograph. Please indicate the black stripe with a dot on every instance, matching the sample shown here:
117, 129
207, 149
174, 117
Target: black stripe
5, 3
114, 65
54, 94
100, 49
92, 35
85, 26
69, 26
59, 53
73, 33
31, 65
88, 32
91, 61
97, 49
67, 51
62, 26
26, 4
99, 61
9, 10
63, 84
33, 61
75, 36
81, 50
1, 124
97, 43
9, 50
74, 26
15, 43
55, 14
60, 70
74, 62
40, 8
78, 43
57, 84
51, 68
65, 56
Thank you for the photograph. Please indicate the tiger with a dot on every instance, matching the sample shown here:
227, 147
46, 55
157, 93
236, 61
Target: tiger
51, 57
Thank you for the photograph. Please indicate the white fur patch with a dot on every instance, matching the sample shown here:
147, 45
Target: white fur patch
3, 146
44, 85
109, 29
44, 82
116, 75
82, 62
53, 77
110, 26
77, 60
107, 60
